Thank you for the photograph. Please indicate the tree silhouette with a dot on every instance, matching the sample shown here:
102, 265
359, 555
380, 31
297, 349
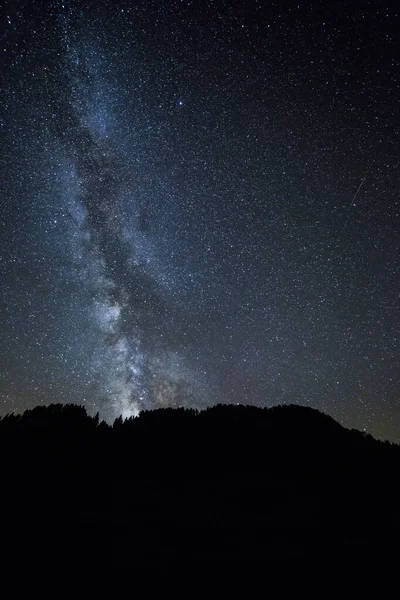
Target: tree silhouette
178, 486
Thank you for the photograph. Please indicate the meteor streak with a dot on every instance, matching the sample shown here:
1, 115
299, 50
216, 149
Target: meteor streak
359, 187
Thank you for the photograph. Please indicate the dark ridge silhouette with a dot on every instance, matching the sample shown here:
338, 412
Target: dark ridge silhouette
178, 489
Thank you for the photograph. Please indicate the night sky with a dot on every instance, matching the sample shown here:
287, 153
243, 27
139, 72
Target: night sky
200, 204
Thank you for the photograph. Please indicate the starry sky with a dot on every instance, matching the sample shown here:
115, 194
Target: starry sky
200, 204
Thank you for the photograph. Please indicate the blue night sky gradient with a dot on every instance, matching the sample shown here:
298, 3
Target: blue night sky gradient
200, 204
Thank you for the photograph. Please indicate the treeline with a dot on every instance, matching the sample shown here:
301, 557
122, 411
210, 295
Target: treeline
230, 433
230, 483
290, 440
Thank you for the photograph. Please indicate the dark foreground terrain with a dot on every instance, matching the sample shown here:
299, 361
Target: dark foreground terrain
230, 487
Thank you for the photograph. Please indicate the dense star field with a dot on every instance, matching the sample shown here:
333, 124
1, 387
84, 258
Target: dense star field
200, 204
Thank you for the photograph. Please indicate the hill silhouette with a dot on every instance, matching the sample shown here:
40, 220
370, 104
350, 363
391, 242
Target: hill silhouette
175, 488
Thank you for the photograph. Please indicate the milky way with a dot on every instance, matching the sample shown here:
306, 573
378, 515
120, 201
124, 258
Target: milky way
201, 205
